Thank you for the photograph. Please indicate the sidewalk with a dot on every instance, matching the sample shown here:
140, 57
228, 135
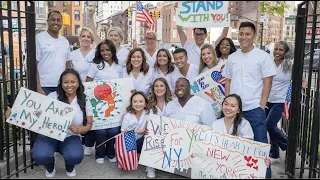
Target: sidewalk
89, 169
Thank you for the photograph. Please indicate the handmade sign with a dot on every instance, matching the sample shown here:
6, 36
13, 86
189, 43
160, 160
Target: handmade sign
41, 114
223, 156
168, 146
203, 14
109, 100
210, 86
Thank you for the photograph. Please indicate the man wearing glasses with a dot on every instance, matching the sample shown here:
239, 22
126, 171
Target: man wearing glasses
52, 54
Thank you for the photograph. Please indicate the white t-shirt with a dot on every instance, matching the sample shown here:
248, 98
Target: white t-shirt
78, 117
246, 71
81, 63
280, 84
244, 128
113, 72
52, 55
143, 82
122, 56
193, 72
158, 73
159, 112
151, 60
193, 52
130, 121
197, 110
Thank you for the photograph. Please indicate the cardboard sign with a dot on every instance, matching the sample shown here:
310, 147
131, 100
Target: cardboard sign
203, 14
41, 114
168, 146
109, 100
223, 156
210, 86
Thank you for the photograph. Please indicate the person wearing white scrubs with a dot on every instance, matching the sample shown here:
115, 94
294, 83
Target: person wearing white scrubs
164, 67
160, 96
208, 58
151, 47
114, 34
186, 70
224, 48
81, 58
138, 69
104, 67
190, 108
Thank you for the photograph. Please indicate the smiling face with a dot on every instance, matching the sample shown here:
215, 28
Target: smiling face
159, 88
138, 103
180, 59
182, 89
225, 47
70, 84
207, 57
136, 59
105, 52
230, 107
85, 39
199, 36
162, 58
246, 37
279, 52
115, 38
150, 40
54, 22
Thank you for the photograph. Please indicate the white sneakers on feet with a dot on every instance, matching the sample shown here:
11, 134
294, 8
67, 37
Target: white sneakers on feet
52, 174
274, 160
87, 151
151, 173
100, 160
71, 174
113, 160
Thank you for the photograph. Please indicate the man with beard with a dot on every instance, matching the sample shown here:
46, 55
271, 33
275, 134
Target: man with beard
52, 54
187, 107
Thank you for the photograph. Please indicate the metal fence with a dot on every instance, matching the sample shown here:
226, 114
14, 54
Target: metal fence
17, 47
302, 157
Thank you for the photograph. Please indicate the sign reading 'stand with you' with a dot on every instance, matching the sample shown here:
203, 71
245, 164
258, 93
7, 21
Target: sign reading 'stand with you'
41, 114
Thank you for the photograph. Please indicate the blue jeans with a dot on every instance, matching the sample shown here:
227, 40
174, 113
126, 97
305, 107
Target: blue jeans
277, 137
45, 147
139, 144
257, 119
48, 90
108, 148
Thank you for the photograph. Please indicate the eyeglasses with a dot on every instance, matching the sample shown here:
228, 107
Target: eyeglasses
201, 34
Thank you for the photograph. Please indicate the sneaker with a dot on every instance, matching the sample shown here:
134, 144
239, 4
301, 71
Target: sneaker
100, 160
50, 175
113, 160
274, 160
71, 174
150, 172
87, 151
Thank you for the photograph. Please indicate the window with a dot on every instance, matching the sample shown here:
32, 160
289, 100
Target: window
76, 3
76, 29
174, 33
169, 33
77, 15
169, 18
54, 3
65, 3
166, 32
288, 28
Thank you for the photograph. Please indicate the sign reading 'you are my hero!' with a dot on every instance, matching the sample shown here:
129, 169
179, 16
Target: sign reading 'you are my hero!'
203, 14
41, 114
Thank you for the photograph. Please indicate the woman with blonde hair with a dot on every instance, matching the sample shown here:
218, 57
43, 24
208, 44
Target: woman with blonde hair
208, 58
115, 35
81, 58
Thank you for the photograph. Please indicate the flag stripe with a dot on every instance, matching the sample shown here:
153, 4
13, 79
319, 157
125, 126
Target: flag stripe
126, 151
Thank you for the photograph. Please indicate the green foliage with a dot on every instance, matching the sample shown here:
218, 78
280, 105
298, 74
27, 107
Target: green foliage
273, 7
4, 4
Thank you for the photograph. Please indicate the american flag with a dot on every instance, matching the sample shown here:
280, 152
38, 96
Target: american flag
126, 151
217, 77
143, 15
287, 103
152, 27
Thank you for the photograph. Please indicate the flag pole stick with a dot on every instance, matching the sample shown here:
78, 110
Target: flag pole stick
113, 137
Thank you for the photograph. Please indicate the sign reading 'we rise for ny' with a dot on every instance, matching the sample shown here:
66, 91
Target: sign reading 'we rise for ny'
203, 14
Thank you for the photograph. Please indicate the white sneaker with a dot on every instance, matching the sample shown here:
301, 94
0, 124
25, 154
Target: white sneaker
52, 174
71, 174
151, 173
87, 151
113, 160
100, 160
274, 160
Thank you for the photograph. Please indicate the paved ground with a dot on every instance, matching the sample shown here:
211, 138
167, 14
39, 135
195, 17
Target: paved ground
89, 169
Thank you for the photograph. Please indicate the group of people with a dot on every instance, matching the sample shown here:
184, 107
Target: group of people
255, 88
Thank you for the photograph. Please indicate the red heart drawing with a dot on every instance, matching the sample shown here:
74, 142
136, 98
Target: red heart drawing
254, 160
256, 168
23, 123
250, 165
247, 158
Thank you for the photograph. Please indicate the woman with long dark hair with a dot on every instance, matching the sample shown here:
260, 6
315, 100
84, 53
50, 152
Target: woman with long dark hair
224, 48
71, 91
